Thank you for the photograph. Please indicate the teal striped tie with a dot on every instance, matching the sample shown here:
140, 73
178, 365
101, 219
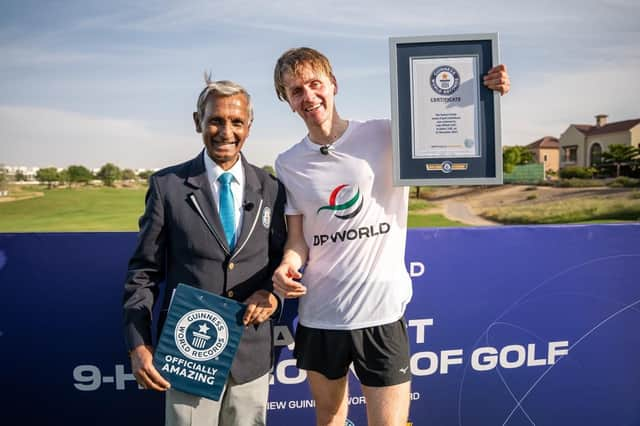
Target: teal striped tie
227, 216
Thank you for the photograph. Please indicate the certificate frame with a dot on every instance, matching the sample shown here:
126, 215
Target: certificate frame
436, 141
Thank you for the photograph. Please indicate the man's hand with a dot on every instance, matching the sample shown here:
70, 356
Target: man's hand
146, 374
260, 306
498, 79
285, 281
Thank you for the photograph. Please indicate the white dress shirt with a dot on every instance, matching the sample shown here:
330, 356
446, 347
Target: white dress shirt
237, 187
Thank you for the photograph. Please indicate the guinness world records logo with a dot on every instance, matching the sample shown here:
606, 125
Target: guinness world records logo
201, 335
445, 80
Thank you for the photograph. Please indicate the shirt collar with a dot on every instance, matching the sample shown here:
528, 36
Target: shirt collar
214, 171
315, 147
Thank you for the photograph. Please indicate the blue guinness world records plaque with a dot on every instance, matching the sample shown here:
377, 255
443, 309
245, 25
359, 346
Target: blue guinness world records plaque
485, 169
199, 340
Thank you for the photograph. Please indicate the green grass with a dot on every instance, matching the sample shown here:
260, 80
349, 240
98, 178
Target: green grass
573, 211
113, 209
431, 221
580, 183
419, 218
75, 210
118, 209
415, 204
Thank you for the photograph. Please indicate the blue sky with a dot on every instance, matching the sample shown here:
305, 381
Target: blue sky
88, 82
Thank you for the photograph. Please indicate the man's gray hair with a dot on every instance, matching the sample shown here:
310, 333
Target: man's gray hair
221, 88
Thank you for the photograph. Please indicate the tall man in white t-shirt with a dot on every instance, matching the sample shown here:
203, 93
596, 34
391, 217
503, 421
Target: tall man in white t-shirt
347, 227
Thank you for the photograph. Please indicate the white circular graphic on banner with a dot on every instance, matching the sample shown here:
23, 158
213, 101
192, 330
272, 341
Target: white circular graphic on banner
201, 335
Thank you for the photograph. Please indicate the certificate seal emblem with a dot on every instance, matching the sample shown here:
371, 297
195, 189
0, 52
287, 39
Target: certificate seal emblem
201, 335
445, 80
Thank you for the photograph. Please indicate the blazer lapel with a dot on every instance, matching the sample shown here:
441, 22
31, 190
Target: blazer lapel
252, 204
202, 200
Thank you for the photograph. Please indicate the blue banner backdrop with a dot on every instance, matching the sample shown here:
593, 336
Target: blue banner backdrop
508, 326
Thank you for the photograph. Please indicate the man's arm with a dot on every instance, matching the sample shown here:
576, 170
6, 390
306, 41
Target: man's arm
263, 303
286, 276
260, 306
144, 371
145, 271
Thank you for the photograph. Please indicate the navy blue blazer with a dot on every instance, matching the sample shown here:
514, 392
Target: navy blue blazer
181, 240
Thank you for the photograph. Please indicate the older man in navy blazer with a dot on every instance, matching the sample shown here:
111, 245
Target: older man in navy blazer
215, 222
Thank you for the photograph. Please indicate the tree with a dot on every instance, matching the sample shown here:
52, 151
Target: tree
48, 175
63, 177
269, 170
128, 174
4, 179
20, 176
79, 174
620, 155
577, 172
109, 173
145, 174
514, 156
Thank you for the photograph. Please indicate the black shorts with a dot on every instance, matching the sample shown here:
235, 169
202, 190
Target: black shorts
380, 354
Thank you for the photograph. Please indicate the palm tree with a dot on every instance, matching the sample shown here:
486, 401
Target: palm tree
620, 155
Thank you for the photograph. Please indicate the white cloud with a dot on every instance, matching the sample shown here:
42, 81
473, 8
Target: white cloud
548, 104
568, 61
376, 18
48, 137
42, 136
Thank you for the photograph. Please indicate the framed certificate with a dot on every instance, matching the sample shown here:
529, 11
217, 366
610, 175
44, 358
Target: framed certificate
445, 122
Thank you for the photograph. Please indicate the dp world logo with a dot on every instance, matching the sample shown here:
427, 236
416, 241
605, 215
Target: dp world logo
345, 200
445, 80
201, 335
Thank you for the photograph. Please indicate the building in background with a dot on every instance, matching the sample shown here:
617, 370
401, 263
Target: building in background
583, 144
546, 151
21, 173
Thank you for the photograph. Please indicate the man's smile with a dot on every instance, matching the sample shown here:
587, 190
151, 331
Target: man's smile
312, 108
223, 143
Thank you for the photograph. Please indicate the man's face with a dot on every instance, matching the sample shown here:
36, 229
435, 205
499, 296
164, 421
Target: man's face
311, 95
224, 127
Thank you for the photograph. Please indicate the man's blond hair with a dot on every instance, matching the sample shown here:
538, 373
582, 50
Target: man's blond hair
292, 62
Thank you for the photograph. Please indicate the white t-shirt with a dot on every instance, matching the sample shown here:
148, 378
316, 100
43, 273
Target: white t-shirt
355, 225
